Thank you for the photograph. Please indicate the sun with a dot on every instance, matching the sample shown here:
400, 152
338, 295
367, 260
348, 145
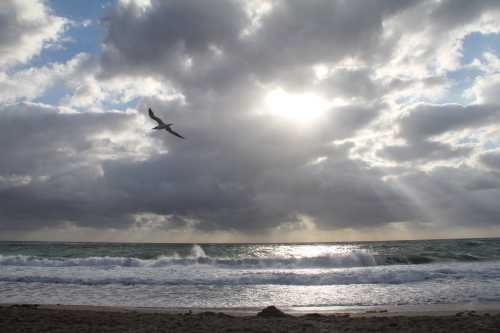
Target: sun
300, 108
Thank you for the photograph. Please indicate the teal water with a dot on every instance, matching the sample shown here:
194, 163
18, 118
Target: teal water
390, 252
242, 275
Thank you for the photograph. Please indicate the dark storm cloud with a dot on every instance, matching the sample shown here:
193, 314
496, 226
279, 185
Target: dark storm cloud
289, 38
455, 13
36, 139
349, 83
252, 175
427, 121
224, 50
240, 168
50, 165
233, 179
162, 38
422, 151
420, 126
490, 159
295, 33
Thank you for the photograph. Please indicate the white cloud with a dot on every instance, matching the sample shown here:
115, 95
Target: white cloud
90, 91
26, 27
33, 82
486, 86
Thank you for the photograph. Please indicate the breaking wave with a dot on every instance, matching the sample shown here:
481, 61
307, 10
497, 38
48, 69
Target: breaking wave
197, 256
355, 259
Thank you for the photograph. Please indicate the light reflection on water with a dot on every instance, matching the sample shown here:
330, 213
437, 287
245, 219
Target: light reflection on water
250, 296
206, 286
309, 250
251, 275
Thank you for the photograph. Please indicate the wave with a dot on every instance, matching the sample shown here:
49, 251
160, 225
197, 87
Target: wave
354, 259
265, 278
371, 275
351, 260
197, 256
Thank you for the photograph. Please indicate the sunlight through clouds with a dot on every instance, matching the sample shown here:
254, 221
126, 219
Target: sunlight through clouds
355, 114
298, 108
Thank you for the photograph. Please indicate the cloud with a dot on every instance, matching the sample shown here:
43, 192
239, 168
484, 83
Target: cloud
72, 175
52, 173
428, 38
165, 37
423, 124
351, 84
25, 29
32, 83
490, 159
422, 151
40, 139
426, 121
485, 86
456, 196
290, 37
365, 159
486, 89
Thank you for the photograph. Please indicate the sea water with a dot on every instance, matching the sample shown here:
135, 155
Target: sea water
251, 275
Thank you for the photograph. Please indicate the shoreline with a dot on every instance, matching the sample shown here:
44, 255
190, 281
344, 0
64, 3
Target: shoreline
374, 310
82, 318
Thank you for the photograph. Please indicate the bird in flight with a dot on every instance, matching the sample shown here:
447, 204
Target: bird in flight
162, 125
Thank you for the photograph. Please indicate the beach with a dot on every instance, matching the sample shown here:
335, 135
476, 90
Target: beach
53, 318
404, 286
249, 166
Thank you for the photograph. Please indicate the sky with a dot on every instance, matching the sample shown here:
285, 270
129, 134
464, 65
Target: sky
323, 120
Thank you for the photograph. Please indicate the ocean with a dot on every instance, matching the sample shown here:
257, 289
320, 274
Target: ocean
318, 275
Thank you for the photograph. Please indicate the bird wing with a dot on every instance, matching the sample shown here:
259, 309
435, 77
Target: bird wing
152, 115
175, 133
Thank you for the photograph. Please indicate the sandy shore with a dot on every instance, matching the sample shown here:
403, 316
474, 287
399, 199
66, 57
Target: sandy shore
34, 318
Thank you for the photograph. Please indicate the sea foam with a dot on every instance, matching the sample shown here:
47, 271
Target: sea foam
198, 257
214, 276
254, 278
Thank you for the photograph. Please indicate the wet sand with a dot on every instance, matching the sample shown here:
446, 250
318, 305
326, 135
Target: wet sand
34, 318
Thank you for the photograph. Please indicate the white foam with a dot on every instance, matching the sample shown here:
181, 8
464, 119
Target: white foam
209, 275
197, 252
21, 260
199, 257
256, 278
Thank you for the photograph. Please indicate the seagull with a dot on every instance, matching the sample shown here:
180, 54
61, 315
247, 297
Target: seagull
162, 125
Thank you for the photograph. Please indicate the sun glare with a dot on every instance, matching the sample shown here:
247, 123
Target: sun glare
301, 108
